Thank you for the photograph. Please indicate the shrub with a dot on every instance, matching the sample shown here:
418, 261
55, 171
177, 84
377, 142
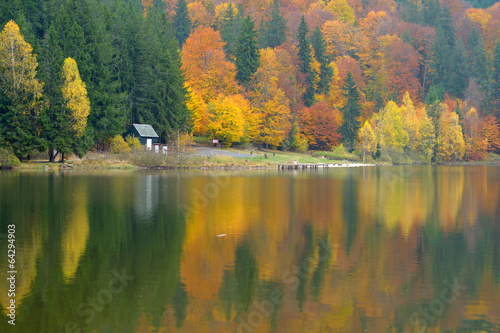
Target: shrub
396, 155
338, 153
8, 159
201, 140
133, 142
118, 145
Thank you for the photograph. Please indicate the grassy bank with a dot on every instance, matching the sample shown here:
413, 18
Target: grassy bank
148, 159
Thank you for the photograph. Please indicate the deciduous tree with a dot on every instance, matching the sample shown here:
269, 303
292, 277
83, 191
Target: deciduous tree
319, 124
20, 93
226, 120
366, 140
450, 141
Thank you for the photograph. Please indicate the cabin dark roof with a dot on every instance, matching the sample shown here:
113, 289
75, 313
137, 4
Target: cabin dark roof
145, 130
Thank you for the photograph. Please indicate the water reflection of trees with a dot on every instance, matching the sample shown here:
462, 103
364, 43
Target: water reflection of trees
393, 237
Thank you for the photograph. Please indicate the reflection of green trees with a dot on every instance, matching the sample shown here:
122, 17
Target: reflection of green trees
148, 251
245, 275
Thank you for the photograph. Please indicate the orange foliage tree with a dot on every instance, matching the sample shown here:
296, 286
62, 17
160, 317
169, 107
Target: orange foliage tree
491, 132
199, 14
319, 124
204, 62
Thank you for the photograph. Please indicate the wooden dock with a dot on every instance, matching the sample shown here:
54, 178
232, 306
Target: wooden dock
298, 166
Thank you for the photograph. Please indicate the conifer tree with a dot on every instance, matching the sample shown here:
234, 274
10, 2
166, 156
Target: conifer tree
230, 30
326, 72
496, 79
273, 31
161, 90
182, 22
351, 111
476, 55
305, 58
247, 53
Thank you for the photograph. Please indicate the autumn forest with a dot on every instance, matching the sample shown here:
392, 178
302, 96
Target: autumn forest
398, 81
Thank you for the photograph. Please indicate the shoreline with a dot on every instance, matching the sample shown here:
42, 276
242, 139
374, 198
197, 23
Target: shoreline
70, 167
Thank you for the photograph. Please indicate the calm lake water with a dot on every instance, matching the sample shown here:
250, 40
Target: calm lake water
393, 249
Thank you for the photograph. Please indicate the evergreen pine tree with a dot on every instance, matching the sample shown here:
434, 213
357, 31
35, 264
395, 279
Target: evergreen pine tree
459, 75
445, 22
274, 31
496, 79
326, 72
431, 12
161, 91
230, 30
351, 111
305, 58
477, 59
247, 53
406, 36
182, 22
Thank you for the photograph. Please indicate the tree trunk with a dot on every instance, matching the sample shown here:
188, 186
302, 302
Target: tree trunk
62, 158
52, 157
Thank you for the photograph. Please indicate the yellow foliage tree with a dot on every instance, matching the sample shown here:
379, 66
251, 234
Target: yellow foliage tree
220, 13
451, 145
226, 119
22, 91
390, 130
341, 8
275, 115
366, 139
342, 38
75, 96
420, 131
199, 113
18, 68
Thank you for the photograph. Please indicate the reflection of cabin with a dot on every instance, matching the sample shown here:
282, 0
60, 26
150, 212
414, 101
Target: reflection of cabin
146, 134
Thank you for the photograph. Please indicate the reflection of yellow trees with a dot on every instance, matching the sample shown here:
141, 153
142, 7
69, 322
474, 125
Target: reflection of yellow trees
450, 189
215, 209
27, 251
371, 280
74, 239
400, 198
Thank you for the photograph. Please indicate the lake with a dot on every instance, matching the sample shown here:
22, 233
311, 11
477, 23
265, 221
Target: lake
376, 249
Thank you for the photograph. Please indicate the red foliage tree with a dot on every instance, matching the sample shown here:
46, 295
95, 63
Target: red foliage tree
319, 125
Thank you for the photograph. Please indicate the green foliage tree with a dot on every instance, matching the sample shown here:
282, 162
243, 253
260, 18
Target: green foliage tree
161, 91
181, 22
247, 53
326, 72
476, 59
305, 58
273, 32
351, 112
230, 30
496, 79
